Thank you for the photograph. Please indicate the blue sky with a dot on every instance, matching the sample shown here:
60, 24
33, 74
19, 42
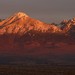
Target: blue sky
44, 10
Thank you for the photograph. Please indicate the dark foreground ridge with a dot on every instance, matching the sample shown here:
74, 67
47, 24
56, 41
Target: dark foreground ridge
36, 70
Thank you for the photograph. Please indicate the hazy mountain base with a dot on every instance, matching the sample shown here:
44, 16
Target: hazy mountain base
37, 49
39, 54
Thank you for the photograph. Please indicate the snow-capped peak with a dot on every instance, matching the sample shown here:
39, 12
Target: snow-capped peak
21, 14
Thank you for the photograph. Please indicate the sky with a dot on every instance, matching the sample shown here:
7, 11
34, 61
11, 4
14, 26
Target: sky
48, 11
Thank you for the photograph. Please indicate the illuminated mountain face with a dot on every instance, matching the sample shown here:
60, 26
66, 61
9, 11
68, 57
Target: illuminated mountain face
21, 23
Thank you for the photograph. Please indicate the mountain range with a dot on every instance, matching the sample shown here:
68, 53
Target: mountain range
21, 32
20, 23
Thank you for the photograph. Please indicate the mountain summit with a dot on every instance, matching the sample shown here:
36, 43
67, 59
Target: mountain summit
20, 23
21, 14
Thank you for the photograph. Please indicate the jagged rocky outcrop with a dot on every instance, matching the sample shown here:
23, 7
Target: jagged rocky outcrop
68, 26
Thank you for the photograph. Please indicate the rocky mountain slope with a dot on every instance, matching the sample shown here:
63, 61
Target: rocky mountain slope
20, 23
